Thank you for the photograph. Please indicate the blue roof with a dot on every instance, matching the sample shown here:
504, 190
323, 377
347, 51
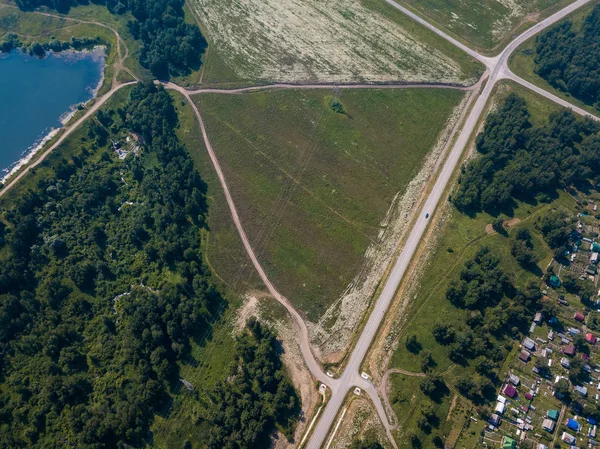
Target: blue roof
572, 424
591, 421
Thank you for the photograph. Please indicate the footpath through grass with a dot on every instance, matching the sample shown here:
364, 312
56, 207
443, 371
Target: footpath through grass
313, 173
462, 236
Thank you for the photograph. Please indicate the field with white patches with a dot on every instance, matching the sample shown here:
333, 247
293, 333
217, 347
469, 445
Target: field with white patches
340, 41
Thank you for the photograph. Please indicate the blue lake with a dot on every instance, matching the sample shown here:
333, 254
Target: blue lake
36, 93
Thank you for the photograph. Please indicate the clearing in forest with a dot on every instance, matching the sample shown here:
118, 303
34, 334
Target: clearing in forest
318, 178
315, 41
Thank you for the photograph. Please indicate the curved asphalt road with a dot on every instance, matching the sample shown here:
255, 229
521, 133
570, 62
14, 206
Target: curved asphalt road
498, 69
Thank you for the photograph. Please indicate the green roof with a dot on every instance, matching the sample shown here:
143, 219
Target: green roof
553, 414
508, 443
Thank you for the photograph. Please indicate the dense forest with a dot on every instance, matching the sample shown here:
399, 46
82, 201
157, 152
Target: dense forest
102, 285
256, 396
570, 60
170, 45
525, 162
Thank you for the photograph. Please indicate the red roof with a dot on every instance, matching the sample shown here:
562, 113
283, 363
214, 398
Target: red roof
579, 316
591, 338
569, 350
510, 391
524, 356
528, 396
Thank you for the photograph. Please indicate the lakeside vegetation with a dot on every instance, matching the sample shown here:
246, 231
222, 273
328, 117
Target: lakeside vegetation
482, 314
313, 173
105, 296
171, 46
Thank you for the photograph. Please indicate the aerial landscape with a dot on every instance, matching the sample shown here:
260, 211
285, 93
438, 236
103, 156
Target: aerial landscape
336, 224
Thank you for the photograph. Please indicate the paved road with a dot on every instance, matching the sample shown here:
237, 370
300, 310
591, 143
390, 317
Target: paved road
497, 69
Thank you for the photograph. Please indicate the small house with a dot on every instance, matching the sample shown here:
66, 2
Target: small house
572, 424
508, 443
495, 420
593, 431
510, 391
541, 446
515, 380
590, 338
551, 335
569, 350
568, 438
553, 415
529, 344
592, 270
524, 356
500, 408
537, 318
554, 281
532, 328
548, 425
581, 390
565, 363
501, 398
594, 258
528, 396
579, 316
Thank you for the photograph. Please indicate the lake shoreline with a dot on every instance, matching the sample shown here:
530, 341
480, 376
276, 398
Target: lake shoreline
98, 55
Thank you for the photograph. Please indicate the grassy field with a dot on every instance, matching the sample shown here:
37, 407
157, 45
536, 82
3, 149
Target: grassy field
461, 237
312, 41
522, 61
312, 185
486, 25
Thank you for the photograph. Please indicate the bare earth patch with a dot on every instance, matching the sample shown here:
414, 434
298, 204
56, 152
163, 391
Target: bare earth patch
360, 418
333, 332
319, 41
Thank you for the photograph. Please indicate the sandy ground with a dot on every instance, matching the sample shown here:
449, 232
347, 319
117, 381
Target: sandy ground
360, 418
334, 331
319, 41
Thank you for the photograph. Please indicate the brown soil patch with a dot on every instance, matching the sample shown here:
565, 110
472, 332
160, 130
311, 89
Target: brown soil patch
512, 222
489, 229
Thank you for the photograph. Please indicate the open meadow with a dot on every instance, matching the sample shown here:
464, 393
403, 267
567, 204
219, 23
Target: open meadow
311, 41
318, 177
485, 25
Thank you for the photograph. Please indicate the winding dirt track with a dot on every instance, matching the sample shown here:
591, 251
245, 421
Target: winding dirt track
497, 70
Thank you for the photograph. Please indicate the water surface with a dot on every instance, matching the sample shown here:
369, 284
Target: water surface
36, 93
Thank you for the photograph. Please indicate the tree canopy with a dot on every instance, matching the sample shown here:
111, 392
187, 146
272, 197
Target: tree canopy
520, 161
256, 397
570, 60
171, 46
102, 287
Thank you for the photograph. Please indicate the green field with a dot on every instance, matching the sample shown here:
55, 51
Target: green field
522, 61
461, 238
486, 25
312, 185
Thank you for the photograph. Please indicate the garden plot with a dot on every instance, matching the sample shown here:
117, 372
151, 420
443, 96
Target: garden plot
337, 41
